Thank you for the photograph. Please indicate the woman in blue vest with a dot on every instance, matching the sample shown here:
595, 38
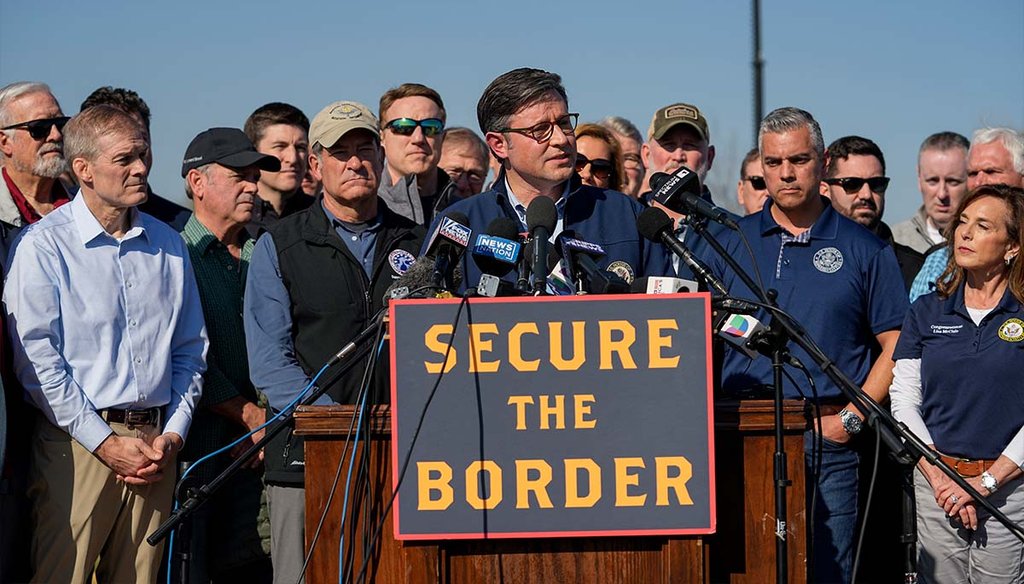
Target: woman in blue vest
959, 385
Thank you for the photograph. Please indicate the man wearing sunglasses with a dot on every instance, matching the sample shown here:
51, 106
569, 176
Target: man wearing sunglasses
855, 181
412, 121
525, 118
751, 192
33, 160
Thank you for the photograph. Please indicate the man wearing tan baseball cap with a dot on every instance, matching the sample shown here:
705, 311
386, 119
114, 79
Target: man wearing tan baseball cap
339, 255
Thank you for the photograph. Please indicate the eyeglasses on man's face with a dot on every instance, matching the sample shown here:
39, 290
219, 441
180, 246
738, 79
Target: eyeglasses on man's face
543, 131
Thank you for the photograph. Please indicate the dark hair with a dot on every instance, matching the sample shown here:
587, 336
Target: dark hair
271, 114
407, 90
848, 146
943, 141
511, 93
953, 275
752, 155
125, 100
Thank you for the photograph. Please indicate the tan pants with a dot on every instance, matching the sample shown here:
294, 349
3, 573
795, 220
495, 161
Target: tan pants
84, 519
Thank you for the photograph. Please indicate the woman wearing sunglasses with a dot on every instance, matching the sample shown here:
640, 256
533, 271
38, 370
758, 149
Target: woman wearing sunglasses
598, 157
958, 386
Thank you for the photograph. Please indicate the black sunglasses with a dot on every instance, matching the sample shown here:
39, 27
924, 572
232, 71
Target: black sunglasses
853, 184
40, 129
599, 167
406, 126
757, 182
542, 132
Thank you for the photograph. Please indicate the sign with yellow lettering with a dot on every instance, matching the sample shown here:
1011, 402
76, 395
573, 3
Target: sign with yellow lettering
552, 417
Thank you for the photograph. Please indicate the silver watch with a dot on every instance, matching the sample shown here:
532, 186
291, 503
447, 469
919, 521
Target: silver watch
851, 423
989, 482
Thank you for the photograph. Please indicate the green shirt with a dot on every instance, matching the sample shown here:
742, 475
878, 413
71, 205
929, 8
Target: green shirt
221, 280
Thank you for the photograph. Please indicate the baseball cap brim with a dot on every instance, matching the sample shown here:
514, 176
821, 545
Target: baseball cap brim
250, 158
664, 130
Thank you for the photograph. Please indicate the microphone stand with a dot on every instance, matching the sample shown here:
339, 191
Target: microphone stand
347, 357
905, 446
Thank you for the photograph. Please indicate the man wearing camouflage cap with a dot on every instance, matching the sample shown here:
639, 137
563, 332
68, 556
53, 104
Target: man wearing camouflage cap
316, 279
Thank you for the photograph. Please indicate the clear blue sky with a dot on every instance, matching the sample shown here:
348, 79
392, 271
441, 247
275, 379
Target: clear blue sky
890, 71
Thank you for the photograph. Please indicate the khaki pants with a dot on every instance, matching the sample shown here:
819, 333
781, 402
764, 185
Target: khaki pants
85, 520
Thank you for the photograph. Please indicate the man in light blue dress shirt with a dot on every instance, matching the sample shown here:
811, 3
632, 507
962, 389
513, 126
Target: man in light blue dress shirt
109, 344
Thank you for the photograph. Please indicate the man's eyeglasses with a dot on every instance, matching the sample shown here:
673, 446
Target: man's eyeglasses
599, 167
632, 161
852, 184
406, 126
40, 129
756, 182
542, 132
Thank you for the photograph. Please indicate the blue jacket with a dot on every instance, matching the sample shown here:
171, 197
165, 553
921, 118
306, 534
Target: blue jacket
605, 217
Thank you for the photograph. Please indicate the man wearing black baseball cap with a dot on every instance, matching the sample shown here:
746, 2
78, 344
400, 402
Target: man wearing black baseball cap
221, 170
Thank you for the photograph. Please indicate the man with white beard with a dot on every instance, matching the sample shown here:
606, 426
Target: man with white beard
32, 146
679, 136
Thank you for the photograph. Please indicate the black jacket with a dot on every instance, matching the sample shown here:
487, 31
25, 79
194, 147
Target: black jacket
332, 300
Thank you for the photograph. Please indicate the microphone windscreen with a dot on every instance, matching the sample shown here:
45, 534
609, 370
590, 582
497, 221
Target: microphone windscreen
653, 221
504, 227
639, 286
541, 213
658, 180
414, 280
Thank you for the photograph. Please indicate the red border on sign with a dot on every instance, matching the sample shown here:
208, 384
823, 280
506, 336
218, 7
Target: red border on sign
550, 534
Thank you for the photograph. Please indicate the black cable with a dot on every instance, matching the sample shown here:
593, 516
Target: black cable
415, 436
867, 506
364, 387
753, 260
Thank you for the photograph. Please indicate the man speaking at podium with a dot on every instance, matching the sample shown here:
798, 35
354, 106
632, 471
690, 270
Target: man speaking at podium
843, 285
524, 116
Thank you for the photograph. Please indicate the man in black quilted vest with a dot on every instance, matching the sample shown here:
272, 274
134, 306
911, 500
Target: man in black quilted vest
316, 279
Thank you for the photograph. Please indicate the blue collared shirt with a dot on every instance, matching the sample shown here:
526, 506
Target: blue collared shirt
928, 277
98, 322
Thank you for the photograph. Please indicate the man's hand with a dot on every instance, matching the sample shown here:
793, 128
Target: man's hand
252, 417
832, 429
128, 457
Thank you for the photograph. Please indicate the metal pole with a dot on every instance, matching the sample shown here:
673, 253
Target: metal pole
758, 64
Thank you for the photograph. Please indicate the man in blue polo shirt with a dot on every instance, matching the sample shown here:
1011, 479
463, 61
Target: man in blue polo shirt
843, 285
532, 135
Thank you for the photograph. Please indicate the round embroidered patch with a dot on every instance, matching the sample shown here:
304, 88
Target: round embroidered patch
622, 270
1012, 330
828, 260
400, 260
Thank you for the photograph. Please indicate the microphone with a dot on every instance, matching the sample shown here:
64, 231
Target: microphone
661, 285
418, 282
580, 256
549, 264
447, 244
541, 218
680, 192
496, 253
656, 226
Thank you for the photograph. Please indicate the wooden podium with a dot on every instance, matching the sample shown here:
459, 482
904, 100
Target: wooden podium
743, 550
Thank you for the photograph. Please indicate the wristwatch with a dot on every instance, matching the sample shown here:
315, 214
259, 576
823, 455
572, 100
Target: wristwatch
989, 482
851, 423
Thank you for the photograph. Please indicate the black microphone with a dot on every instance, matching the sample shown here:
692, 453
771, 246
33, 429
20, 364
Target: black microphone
680, 192
549, 264
589, 277
496, 253
541, 218
418, 281
447, 244
656, 226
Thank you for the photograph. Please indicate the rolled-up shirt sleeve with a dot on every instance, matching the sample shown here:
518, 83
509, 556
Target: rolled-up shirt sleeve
32, 305
273, 364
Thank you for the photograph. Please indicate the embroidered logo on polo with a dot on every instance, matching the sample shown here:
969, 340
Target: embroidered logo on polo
1012, 330
828, 260
622, 270
400, 260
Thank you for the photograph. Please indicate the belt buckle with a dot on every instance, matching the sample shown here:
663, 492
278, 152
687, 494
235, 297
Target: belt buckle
137, 418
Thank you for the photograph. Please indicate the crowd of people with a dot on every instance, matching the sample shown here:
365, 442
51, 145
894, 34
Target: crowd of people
140, 334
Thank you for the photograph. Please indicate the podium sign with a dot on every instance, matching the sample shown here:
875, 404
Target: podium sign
553, 417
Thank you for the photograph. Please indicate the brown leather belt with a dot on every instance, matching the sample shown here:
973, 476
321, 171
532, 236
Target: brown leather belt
132, 418
966, 467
